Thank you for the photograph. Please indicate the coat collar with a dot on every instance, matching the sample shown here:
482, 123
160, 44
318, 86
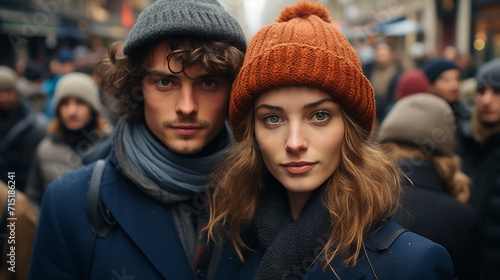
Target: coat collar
146, 221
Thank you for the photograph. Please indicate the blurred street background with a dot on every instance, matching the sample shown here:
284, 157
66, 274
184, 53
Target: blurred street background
465, 30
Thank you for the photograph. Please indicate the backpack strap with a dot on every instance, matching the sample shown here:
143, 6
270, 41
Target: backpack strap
100, 220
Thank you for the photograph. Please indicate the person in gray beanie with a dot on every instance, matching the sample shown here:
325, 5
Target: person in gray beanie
76, 129
21, 129
480, 150
420, 130
140, 212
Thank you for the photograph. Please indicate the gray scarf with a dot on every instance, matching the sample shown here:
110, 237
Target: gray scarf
166, 176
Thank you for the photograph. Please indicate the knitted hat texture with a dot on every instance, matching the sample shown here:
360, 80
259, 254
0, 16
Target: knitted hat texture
489, 74
205, 19
8, 78
302, 48
422, 120
78, 85
410, 82
433, 68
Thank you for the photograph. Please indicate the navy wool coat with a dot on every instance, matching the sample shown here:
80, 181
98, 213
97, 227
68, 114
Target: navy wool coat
392, 254
143, 245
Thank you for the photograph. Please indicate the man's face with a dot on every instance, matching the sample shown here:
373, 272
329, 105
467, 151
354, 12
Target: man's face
74, 113
447, 84
8, 98
183, 110
383, 55
488, 104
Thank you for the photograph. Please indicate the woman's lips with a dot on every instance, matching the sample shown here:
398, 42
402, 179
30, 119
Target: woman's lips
298, 167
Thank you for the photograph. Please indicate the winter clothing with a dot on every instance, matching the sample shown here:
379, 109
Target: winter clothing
21, 130
389, 249
8, 78
428, 210
138, 204
205, 19
410, 82
78, 85
422, 120
433, 68
480, 151
24, 228
321, 57
489, 74
144, 243
172, 173
56, 156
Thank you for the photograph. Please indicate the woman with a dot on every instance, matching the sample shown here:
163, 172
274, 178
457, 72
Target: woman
435, 196
305, 173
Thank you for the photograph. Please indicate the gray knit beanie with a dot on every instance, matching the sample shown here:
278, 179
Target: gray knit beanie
8, 78
78, 85
489, 74
422, 120
204, 19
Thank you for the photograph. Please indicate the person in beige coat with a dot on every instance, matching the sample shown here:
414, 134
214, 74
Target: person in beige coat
77, 128
20, 234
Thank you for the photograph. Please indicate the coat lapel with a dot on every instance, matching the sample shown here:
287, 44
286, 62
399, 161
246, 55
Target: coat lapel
147, 222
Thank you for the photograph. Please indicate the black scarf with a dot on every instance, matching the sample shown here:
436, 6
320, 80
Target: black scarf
290, 246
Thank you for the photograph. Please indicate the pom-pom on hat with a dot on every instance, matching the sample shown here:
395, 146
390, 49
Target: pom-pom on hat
198, 18
302, 49
422, 120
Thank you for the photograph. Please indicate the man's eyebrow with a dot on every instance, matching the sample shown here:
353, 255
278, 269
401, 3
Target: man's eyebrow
162, 74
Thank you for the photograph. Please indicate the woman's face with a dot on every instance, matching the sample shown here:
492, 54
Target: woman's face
299, 132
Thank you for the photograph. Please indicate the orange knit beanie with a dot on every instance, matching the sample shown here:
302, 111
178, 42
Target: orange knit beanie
302, 49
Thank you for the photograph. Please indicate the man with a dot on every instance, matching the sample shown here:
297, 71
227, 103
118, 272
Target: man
172, 88
63, 63
76, 129
21, 129
383, 75
481, 155
445, 77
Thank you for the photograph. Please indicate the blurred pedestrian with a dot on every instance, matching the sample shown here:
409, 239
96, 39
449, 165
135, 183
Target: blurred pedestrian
305, 173
421, 132
410, 82
21, 129
481, 154
445, 77
383, 75
76, 129
145, 213
18, 232
63, 63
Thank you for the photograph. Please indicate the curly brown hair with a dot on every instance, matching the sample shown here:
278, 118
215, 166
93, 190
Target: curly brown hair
121, 76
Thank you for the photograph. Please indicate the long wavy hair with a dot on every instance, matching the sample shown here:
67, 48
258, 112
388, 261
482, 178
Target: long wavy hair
448, 168
363, 191
121, 76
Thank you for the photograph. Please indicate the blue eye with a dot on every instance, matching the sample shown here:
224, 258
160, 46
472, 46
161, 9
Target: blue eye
272, 119
321, 116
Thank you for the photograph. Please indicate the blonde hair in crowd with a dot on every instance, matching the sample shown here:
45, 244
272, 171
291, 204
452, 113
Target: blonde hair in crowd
448, 168
364, 190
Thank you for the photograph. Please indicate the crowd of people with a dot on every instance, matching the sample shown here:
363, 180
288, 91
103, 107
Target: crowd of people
186, 152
